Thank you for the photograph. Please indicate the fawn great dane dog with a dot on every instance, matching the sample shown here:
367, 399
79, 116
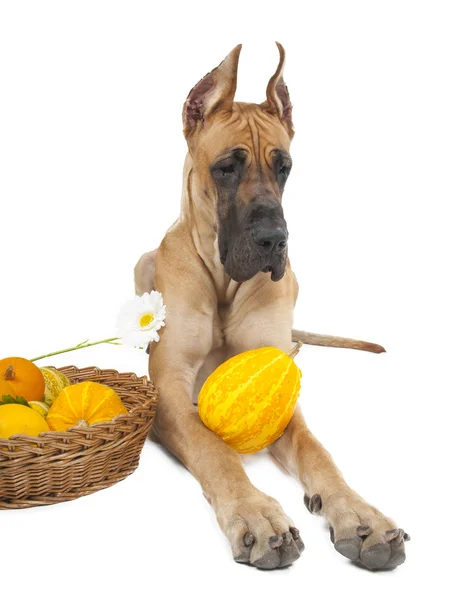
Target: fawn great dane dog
225, 276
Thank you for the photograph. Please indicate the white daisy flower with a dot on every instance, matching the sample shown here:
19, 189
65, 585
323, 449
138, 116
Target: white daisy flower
140, 319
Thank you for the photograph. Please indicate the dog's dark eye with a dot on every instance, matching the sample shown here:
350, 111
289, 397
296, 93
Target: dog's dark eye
225, 173
227, 170
282, 165
284, 170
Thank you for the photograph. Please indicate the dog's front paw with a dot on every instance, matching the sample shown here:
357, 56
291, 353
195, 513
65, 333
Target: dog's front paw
259, 532
360, 532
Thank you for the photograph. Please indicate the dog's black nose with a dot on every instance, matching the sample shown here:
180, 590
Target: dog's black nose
272, 240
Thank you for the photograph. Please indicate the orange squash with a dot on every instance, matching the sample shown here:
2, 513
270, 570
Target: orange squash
5, 389
250, 399
24, 377
84, 404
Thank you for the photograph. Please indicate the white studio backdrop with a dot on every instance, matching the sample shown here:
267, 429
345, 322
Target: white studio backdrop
91, 154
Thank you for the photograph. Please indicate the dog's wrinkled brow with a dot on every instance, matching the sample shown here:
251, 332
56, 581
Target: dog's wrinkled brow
278, 153
231, 153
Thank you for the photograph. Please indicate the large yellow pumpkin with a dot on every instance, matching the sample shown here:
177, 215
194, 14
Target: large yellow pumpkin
249, 400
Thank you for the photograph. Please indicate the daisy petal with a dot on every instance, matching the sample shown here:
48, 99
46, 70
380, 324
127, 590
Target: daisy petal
129, 327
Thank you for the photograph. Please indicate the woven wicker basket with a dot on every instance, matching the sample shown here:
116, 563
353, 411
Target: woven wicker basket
60, 466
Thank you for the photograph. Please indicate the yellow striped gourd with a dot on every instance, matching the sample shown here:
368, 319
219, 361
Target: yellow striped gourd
249, 400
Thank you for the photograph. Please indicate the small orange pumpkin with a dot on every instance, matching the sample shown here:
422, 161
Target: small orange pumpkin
5, 389
24, 377
250, 399
84, 404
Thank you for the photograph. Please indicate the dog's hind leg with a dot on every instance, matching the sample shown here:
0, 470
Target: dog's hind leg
144, 273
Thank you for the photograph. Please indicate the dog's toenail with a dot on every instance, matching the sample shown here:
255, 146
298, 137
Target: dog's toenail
364, 531
248, 539
398, 539
306, 501
288, 538
295, 532
392, 534
313, 504
332, 535
406, 537
275, 541
316, 504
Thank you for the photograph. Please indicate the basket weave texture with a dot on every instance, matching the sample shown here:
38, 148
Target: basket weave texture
60, 466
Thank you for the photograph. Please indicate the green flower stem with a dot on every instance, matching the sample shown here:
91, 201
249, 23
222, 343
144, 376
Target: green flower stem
78, 347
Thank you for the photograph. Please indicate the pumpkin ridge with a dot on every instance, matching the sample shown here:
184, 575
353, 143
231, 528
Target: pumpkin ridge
83, 399
69, 402
232, 397
247, 421
242, 388
225, 408
260, 413
110, 393
226, 370
262, 440
60, 417
285, 419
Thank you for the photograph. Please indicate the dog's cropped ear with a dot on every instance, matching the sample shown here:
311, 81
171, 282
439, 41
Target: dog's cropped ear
278, 101
214, 92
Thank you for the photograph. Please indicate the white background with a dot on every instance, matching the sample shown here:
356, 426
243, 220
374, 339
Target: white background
91, 153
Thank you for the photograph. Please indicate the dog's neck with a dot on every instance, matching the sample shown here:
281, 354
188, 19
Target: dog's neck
200, 214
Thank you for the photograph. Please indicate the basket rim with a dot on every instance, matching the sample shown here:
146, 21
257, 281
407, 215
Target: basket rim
76, 430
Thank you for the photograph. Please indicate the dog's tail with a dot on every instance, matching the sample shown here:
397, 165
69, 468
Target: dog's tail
316, 339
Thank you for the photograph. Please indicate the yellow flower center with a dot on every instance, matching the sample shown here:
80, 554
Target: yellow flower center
146, 320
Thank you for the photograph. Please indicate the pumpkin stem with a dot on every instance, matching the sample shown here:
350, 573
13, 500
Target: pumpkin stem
295, 350
9, 373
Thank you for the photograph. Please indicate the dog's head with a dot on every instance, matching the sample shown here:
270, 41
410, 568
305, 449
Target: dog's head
241, 162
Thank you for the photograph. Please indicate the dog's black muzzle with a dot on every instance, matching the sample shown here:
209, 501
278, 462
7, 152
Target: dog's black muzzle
257, 241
